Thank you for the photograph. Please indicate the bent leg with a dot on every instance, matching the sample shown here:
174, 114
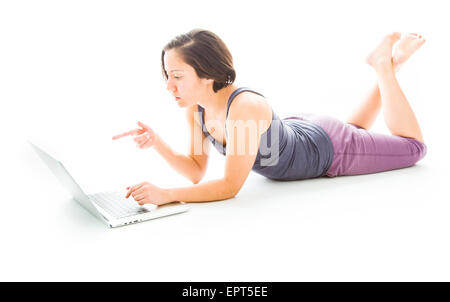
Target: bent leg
397, 112
366, 113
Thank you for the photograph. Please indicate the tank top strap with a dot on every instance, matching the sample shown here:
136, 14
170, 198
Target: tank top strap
235, 93
201, 115
201, 111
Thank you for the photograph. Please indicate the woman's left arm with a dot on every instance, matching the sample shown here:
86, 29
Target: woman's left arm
247, 120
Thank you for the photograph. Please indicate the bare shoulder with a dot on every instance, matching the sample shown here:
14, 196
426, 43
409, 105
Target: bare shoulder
248, 105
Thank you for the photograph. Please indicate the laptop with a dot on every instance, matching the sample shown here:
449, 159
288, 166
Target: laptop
112, 208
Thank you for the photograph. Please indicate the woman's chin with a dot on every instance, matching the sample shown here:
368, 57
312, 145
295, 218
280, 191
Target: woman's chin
182, 103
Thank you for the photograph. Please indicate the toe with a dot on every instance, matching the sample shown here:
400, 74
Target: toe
421, 38
393, 37
396, 35
415, 36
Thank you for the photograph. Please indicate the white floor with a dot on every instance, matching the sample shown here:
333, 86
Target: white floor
99, 77
390, 226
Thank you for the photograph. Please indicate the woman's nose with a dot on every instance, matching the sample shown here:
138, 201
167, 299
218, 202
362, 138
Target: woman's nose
170, 86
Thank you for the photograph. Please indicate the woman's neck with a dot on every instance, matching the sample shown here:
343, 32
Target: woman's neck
216, 103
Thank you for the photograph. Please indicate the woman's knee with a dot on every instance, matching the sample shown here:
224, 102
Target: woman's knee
421, 149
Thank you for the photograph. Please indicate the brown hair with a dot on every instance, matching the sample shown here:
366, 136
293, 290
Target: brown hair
206, 53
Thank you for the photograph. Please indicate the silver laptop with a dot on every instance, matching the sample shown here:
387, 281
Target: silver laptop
110, 207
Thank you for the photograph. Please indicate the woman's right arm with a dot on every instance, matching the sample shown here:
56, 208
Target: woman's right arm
193, 165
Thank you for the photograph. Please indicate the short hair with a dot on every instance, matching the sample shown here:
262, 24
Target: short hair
206, 53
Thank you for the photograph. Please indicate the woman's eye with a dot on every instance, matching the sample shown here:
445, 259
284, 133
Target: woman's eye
177, 77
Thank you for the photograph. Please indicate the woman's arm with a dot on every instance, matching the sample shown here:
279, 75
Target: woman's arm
243, 139
192, 166
247, 120
209, 191
212, 190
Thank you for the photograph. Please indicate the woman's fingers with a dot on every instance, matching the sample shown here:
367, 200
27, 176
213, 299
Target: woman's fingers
134, 188
142, 144
139, 190
147, 144
138, 197
140, 139
131, 132
143, 137
144, 141
144, 126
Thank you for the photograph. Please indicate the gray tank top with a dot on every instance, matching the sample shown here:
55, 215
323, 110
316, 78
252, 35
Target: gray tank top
290, 149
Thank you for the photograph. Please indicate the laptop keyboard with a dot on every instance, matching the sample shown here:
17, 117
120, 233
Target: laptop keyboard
117, 205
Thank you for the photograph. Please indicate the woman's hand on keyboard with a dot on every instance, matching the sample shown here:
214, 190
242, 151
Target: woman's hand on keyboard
146, 192
144, 137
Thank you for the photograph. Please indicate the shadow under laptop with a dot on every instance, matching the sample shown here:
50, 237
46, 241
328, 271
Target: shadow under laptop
77, 216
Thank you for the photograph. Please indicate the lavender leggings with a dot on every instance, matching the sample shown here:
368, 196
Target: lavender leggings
358, 151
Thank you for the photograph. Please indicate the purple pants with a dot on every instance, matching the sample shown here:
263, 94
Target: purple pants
358, 151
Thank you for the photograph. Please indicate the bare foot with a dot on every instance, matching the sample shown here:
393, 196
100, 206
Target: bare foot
407, 45
381, 57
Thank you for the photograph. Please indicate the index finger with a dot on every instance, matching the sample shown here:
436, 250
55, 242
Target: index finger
133, 188
132, 132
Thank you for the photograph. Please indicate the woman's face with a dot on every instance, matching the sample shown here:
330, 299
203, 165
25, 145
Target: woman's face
183, 83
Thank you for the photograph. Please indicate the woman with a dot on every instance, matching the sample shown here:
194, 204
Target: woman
198, 68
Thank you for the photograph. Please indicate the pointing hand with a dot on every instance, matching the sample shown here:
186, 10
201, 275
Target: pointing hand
144, 136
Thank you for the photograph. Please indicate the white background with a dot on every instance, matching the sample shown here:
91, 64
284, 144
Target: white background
74, 73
